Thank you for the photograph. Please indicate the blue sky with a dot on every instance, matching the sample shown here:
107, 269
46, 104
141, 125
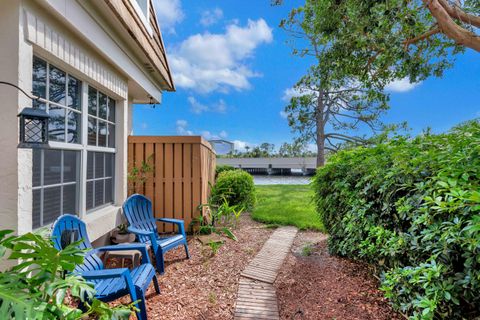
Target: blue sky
233, 69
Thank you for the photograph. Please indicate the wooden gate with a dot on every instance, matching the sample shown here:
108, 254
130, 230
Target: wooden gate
182, 168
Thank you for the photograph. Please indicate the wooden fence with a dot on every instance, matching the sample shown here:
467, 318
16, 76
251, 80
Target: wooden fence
183, 167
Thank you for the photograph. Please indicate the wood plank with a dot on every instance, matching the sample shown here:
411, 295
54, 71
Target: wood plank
139, 158
178, 185
187, 184
168, 185
150, 160
159, 184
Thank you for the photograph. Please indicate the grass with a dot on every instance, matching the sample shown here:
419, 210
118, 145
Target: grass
286, 205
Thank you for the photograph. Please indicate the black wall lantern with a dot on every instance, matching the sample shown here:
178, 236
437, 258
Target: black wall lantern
33, 128
33, 124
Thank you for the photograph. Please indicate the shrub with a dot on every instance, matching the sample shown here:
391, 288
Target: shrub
411, 208
222, 168
236, 187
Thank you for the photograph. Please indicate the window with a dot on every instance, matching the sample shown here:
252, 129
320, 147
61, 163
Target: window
101, 119
55, 184
100, 171
60, 95
59, 179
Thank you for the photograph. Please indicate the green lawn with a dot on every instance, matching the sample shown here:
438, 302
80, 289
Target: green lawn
286, 205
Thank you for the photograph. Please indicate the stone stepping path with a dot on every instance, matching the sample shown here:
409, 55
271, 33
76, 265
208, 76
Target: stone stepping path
256, 298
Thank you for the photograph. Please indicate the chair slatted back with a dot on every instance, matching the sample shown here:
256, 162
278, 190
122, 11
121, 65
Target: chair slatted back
67, 229
138, 211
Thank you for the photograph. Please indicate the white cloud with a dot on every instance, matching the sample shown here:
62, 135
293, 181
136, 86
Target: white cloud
182, 128
289, 93
283, 114
169, 13
216, 62
241, 146
210, 17
198, 108
401, 85
144, 125
195, 106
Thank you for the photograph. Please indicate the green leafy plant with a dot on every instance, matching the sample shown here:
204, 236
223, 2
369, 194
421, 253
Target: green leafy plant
236, 188
222, 168
41, 286
122, 228
411, 208
215, 246
138, 175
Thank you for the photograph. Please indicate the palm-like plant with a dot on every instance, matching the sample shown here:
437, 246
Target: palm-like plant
41, 284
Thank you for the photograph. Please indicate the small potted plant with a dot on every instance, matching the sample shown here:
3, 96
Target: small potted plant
121, 234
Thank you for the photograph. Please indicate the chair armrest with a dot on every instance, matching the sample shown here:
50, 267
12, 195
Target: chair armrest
150, 234
105, 274
180, 224
132, 246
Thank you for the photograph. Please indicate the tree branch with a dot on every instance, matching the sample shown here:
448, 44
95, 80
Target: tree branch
456, 13
423, 36
344, 137
448, 26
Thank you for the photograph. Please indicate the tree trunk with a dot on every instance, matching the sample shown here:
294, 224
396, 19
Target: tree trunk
320, 130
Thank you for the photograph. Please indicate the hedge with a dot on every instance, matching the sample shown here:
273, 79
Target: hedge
411, 208
236, 187
221, 168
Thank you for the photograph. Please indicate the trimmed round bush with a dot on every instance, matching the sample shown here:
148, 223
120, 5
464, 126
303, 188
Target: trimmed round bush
236, 187
222, 168
411, 208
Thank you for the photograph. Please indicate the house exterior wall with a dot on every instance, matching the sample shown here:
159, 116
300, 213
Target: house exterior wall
68, 37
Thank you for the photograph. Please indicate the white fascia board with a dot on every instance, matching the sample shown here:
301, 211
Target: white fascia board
84, 24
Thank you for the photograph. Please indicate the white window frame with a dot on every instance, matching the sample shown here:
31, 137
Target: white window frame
145, 18
83, 146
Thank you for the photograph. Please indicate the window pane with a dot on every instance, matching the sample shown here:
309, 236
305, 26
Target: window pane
51, 204
108, 191
70, 168
39, 85
74, 121
99, 193
109, 164
36, 209
57, 85
89, 195
56, 124
36, 167
111, 135
74, 93
69, 199
99, 172
102, 102
52, 163
90, 156
102, 134
92, 131
92, 101
111, 110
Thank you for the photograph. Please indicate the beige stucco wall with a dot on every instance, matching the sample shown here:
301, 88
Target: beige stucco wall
16, 52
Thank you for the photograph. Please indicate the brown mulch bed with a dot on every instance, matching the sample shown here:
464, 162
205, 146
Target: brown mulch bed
205, 286
321, 286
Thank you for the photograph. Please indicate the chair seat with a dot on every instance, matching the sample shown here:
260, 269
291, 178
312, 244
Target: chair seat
114, 287
165, 241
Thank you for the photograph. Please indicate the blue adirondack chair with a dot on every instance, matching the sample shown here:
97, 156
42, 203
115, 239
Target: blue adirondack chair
110, 284
139, 213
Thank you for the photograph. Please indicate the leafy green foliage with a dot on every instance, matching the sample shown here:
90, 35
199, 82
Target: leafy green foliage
37, 288
139, 174
411, 207
236, 188
222, 168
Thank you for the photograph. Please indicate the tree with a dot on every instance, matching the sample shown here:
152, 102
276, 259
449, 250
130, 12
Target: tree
406, 21
329, 103
267, 149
